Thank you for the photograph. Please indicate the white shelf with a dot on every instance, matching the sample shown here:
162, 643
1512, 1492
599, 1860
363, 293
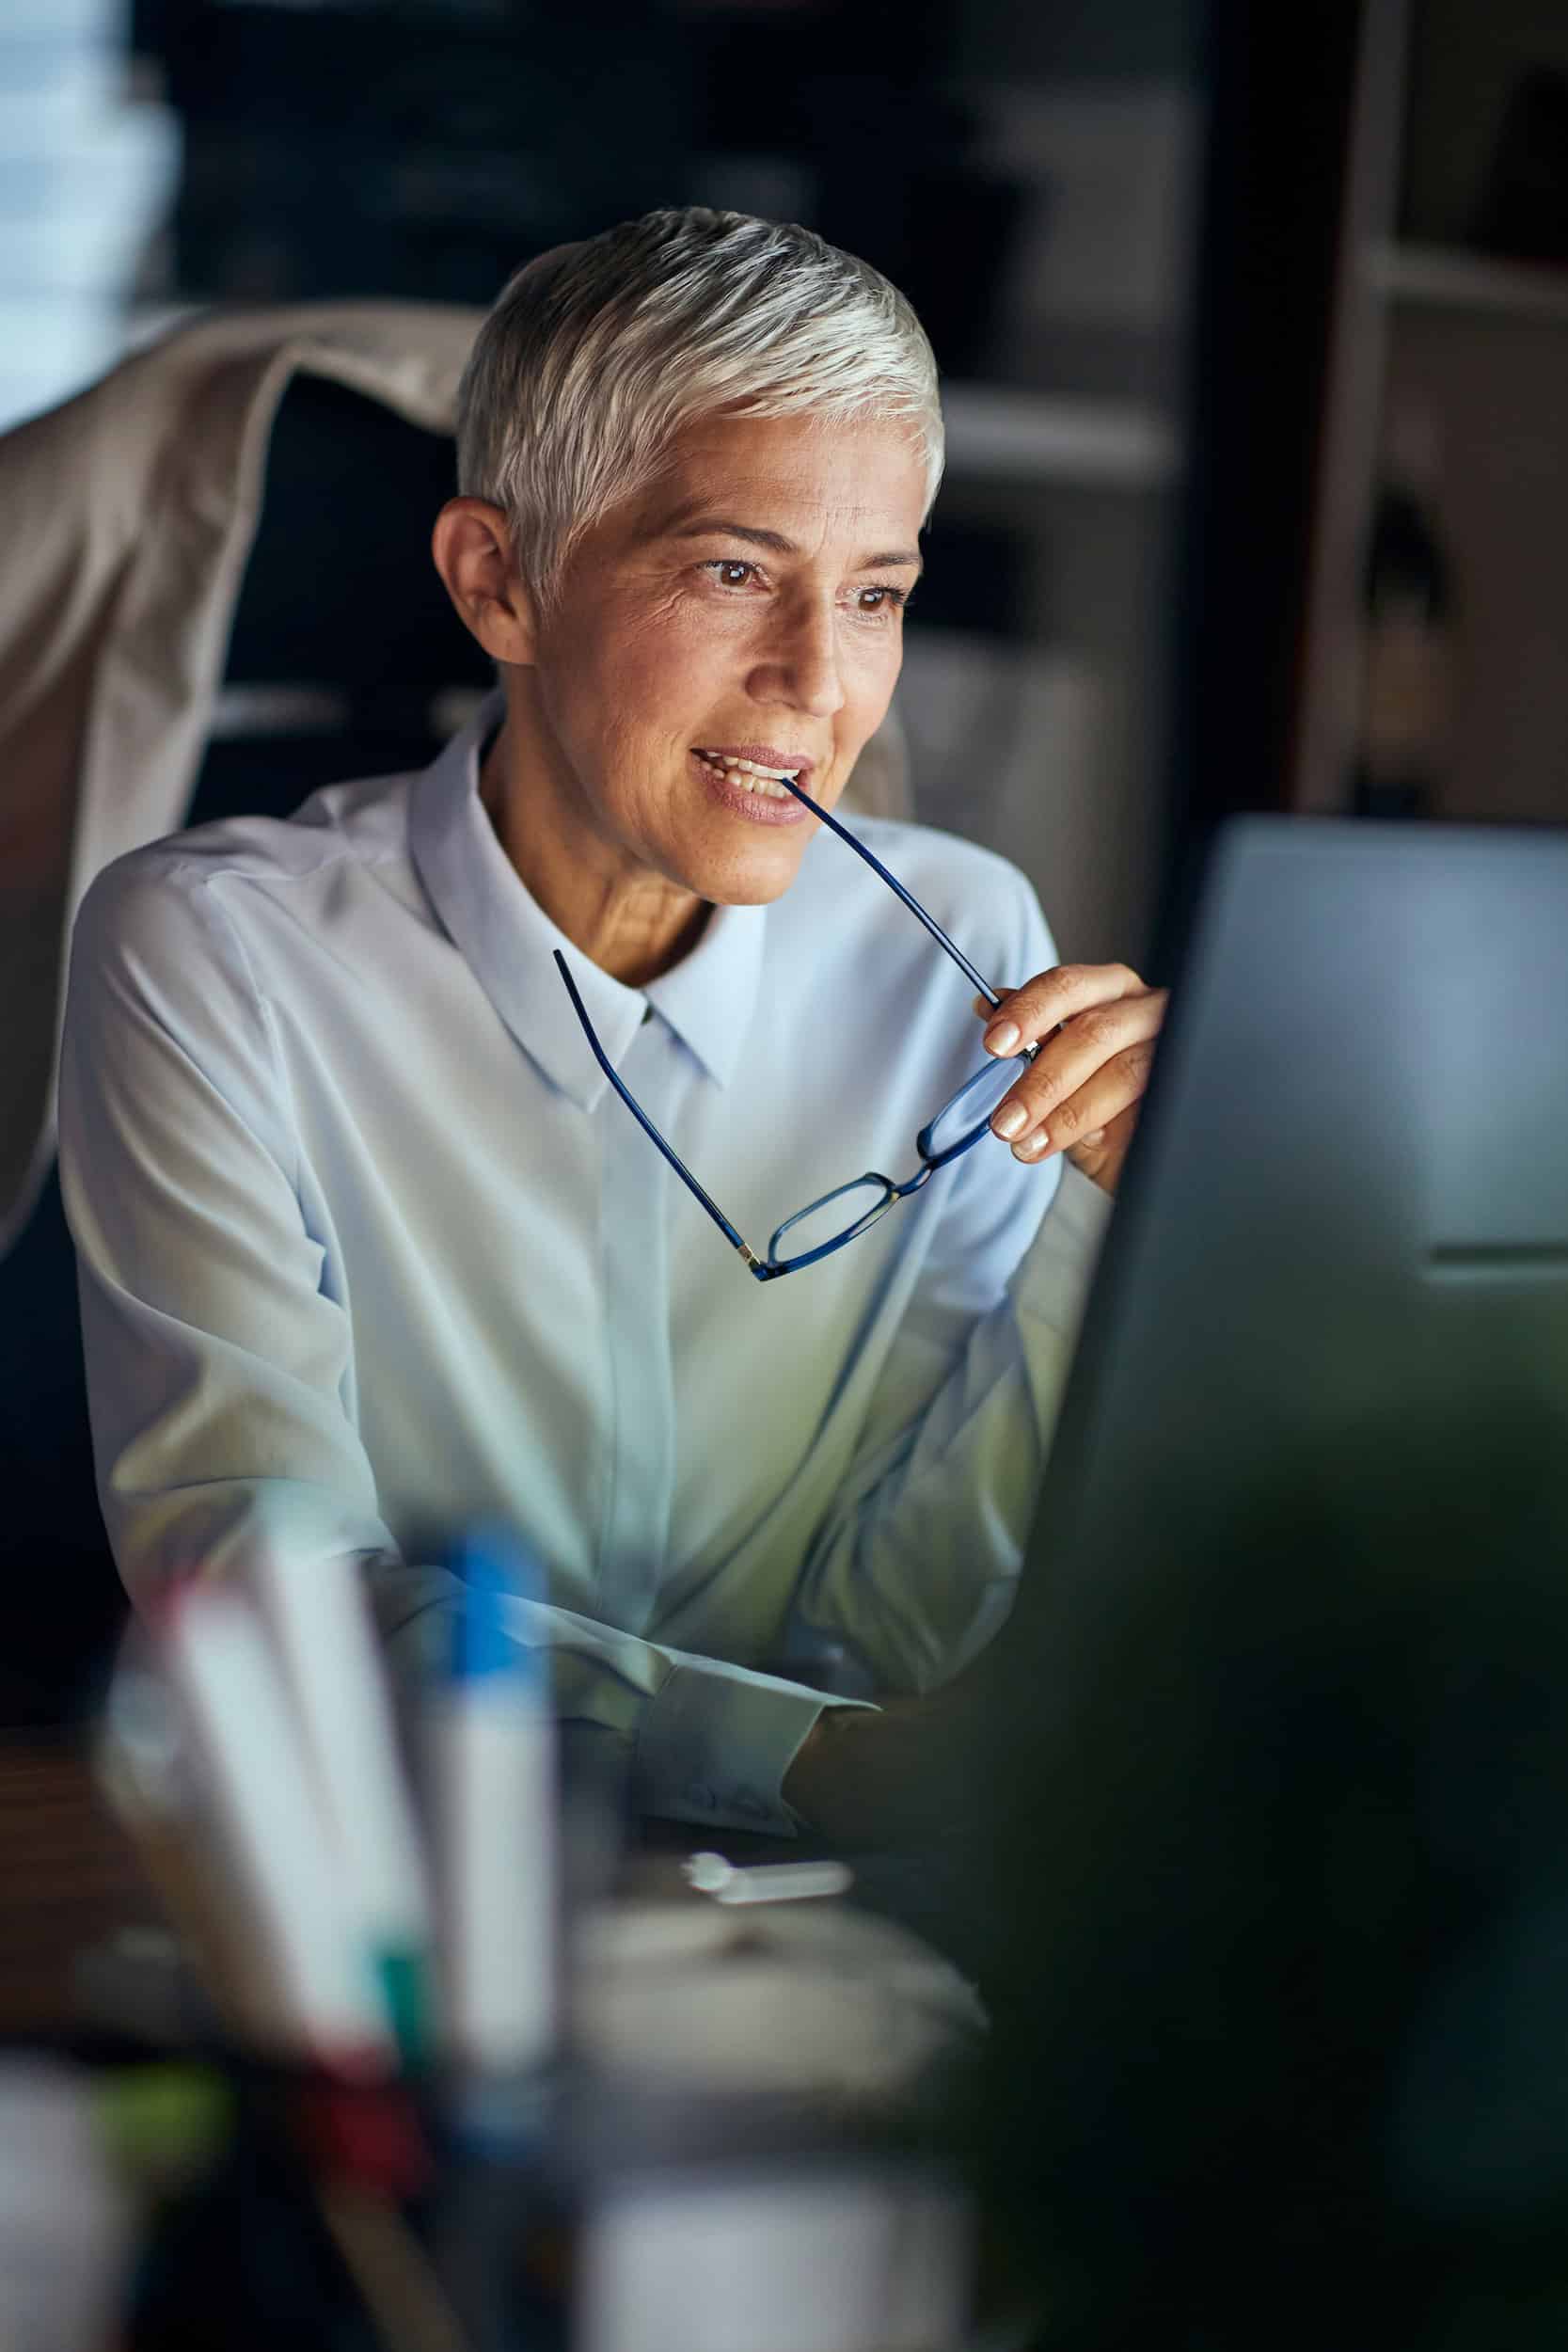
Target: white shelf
994, 432
1447, 277
997, 434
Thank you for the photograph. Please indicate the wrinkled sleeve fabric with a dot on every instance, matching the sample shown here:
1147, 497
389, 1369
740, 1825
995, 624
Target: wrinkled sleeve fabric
220, 1369
917, 1564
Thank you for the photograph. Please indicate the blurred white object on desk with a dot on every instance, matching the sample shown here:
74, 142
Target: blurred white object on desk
810, 1999
844, 2258
66, 2227
766, 1883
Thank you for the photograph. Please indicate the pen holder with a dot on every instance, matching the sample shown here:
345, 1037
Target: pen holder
352, 2216
746, 2073
741, 2084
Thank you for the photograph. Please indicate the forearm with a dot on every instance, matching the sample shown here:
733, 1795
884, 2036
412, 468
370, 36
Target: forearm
703, 1740
895, 1778
918, 1563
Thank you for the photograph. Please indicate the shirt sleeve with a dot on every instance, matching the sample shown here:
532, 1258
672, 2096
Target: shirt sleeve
916, 1565
220, 1371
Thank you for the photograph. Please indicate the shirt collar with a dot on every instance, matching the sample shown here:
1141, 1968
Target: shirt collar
507, 941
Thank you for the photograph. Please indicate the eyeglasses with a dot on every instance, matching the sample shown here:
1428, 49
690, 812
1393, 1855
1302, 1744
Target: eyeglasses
843, 1215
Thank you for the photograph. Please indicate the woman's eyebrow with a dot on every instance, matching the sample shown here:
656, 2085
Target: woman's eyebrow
712, 526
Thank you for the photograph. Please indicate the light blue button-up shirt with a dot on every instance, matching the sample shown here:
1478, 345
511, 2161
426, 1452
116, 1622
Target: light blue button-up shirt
370, 1252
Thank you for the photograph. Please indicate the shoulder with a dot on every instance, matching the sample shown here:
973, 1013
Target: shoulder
944, 859
983, 900
199, 879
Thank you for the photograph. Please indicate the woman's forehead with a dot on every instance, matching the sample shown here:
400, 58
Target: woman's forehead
850, 473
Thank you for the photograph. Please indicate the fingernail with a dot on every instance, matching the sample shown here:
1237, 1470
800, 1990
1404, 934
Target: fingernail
1009, 1121
1003, 1037
1032, 1146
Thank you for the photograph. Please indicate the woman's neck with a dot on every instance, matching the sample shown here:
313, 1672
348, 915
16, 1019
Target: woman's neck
633, 924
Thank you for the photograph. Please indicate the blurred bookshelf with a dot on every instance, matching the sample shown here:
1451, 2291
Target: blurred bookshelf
1450, 278
1450, 409
995, 432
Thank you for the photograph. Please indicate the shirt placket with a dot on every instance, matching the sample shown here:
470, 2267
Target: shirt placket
634, 1253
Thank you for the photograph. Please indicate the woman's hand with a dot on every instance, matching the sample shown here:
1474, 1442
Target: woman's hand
1081, 1094
905, 1776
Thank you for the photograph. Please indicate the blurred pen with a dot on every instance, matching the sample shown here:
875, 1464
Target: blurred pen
316, 1611
495, 1803
234, 1698
148, 1770
766, 1882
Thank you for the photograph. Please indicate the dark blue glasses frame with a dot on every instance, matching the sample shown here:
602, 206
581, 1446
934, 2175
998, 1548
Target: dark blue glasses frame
767, 1269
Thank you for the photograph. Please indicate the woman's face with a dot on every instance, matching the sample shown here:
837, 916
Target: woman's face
748, 607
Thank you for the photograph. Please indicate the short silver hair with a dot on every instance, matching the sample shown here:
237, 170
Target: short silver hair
598, 354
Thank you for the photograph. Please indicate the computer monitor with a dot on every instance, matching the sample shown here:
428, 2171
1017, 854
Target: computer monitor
1350, 1189
1277, 1884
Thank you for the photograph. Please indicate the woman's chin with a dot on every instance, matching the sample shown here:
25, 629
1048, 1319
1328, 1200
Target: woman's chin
752, 872
753, 884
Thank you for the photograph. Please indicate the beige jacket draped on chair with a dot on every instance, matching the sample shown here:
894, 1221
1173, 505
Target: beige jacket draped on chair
127, 515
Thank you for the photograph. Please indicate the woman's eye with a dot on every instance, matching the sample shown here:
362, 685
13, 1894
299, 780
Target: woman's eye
882, 601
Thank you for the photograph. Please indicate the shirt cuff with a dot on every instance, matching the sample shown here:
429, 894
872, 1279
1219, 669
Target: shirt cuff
1057, 1270
1081, 1208
714, 1746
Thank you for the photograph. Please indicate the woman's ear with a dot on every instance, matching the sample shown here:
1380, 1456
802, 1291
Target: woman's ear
473, 550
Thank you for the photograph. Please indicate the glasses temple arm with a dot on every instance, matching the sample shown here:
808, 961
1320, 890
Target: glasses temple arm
896, 886
646, 1123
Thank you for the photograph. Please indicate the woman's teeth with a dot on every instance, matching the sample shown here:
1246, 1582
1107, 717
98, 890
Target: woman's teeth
746, 772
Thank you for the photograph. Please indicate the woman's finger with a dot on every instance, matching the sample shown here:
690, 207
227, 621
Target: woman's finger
1114, 1088
1042, 1004
1090, 1042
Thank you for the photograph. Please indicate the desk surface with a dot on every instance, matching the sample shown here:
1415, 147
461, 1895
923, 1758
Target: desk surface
71, 1880
68, 1878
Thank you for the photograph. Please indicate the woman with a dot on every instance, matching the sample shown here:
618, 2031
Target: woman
372, 1245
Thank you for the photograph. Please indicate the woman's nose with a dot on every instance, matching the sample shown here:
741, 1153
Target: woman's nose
802, 665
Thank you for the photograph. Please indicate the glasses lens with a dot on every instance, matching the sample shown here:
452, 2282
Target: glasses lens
967, 1111
830, 1219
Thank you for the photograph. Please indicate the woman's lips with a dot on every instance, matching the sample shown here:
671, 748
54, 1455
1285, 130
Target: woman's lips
761, 809
798, 764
